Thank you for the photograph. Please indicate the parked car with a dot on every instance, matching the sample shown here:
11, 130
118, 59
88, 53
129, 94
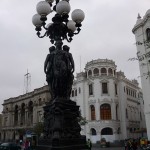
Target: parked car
9, 146
103, 143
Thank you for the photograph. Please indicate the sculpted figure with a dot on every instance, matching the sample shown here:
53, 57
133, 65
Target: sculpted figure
48, 69
71, 68
60, 71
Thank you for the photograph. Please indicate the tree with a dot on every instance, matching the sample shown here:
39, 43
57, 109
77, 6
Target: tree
82, 121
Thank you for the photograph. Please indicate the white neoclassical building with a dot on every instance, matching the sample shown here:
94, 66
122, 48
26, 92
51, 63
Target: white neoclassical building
142, 36
112, 104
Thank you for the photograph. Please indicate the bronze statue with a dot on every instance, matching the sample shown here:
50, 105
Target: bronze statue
48, 69
59, 68
71, 68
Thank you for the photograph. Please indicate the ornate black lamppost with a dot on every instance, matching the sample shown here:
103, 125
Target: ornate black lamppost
61, 127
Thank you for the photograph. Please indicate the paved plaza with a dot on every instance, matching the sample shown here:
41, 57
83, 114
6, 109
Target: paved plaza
110, 148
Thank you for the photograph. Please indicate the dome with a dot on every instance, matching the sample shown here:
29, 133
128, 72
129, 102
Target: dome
100, 63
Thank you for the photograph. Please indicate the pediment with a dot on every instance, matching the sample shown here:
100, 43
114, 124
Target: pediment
104, 80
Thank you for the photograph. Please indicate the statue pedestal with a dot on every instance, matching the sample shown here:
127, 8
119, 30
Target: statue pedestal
61, 127
64, 144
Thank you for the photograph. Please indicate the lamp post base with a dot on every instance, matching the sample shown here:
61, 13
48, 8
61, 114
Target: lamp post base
67, 144
61, 127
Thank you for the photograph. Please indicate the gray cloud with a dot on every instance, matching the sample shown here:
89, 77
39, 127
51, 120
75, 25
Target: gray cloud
106, 33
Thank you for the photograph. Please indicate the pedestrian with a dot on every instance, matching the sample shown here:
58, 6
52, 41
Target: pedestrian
26, 145
134, 145
20, 141
129, 144
89, 144
23, 145
33, 145
125, 144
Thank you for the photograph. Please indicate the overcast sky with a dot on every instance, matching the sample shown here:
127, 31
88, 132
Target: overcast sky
106, 33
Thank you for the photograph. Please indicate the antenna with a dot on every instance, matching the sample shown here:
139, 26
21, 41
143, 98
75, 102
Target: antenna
27, 82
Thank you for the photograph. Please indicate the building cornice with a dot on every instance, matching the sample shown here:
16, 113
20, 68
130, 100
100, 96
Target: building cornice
29, 95
142, 23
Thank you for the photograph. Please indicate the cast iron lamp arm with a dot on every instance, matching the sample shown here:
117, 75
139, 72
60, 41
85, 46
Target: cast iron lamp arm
38, 34
78, 31
68, 40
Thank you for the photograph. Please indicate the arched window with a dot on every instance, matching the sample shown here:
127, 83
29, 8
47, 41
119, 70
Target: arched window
92, 112
105, 112
103, 71
107, 131
6, 109
135, 94
131, 130
90, 89
76, 92
148, 34
16, 115
72, 93
40, 101
86, 74
22, 114
114, 72
127, 91
116, 91
104, 88
30, 112
89, 73
117, 112
118, 130
110, 72
93, 131
96, 72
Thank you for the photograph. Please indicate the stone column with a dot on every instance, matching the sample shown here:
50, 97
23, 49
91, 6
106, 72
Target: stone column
13, 118
9, 119
19, 117
113, 111
26, 116
97, 111
34, 114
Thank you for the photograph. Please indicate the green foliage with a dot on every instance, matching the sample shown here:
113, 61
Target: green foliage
82, 121
38, 128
